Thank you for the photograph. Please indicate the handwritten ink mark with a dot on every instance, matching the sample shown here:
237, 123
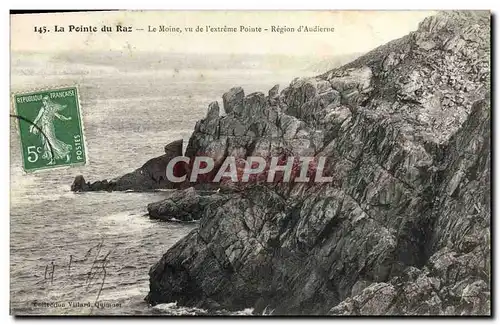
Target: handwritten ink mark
98, 269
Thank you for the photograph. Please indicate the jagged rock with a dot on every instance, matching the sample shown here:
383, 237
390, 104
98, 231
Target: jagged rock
374, 300
79, 184
254, 127
404, 226
103, 185
273, 92
233, 99
273, 95
186, 205
174, 148
390, 61
253, 104
213, 111
151, 176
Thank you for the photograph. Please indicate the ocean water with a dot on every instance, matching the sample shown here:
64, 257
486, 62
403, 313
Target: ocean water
90, 253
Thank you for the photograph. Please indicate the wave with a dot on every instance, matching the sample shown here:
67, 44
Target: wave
173, 309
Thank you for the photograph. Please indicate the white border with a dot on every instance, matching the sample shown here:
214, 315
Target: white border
191, 5
253, 5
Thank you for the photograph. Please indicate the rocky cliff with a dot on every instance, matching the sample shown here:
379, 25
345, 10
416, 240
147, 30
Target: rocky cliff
404, 228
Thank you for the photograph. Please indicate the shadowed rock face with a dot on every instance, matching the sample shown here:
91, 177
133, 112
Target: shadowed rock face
152, 175
455, 278
403, 228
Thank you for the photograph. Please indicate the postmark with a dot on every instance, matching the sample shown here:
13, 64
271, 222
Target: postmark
50, 128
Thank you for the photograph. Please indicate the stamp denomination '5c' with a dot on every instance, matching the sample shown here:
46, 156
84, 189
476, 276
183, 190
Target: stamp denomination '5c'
50, 127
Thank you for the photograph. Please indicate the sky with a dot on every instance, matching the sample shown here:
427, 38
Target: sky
355, 31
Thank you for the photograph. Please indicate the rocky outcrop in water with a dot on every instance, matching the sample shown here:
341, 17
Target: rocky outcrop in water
185, 205
151, 176
404, 228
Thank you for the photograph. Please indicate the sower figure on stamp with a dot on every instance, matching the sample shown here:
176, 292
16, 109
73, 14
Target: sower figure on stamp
45, 120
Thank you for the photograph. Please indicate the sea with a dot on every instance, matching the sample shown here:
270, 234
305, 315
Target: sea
90, 253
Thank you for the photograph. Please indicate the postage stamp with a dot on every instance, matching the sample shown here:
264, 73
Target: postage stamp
50, 127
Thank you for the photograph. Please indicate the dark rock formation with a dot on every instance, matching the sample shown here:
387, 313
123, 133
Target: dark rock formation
233, 100
152, 175
404, 228
79, 184
185, 205
455, 278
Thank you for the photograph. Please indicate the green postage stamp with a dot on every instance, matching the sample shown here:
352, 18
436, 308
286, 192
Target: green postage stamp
50, 127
